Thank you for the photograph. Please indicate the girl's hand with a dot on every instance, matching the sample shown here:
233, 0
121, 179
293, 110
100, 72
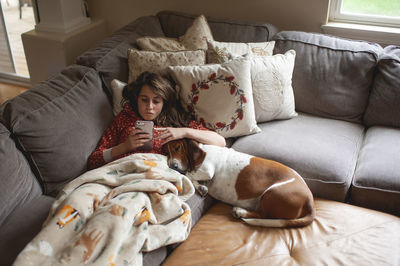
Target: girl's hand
136, 139
203, 136
170, 133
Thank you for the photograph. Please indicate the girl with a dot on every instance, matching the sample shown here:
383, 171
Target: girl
151, 98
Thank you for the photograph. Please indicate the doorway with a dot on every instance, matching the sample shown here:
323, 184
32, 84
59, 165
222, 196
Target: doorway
16, 17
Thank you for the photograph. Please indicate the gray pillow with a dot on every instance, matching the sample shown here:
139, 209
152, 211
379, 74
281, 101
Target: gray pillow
383, 107
332, 76
18, 184
59, 122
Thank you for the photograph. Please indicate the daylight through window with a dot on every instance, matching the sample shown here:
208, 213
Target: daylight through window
373, 12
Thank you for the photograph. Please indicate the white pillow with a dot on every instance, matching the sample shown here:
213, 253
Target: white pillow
195, 38
157, 62
219, 96
271, 78
116, 87
220, 52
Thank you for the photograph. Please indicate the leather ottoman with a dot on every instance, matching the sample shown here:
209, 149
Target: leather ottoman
341, 234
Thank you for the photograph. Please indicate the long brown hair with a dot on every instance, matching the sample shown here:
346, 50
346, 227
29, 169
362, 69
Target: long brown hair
172, 113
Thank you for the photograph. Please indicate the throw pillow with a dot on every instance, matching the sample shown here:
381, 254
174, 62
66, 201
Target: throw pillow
219, 96
140, 61
271, 78
220, 52
116, 87
195, 38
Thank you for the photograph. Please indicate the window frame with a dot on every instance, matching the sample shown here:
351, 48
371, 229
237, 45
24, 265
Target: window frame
336, 15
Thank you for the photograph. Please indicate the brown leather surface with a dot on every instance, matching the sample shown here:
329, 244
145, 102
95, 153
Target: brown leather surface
341, 234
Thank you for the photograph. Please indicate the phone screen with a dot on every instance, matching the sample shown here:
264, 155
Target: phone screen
146, 126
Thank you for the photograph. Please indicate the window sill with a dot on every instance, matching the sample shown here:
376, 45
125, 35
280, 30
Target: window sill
382, 35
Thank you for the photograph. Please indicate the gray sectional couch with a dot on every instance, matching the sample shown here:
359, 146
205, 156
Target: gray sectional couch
345, 141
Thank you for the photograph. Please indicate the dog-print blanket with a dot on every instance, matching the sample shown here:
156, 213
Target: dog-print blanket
110, 215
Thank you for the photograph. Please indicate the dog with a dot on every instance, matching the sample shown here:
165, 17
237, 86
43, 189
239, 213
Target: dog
263, 192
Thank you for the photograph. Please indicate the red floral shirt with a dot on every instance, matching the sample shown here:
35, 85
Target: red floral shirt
118, 132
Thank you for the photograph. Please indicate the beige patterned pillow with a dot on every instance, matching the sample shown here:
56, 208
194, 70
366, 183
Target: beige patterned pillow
219, 96
271, 78
220, 52
195, 38
140, 61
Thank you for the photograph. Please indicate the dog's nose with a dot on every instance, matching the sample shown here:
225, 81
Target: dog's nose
174, 165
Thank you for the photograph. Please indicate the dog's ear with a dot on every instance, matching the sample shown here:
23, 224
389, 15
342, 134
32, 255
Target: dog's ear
164, 149
195, 154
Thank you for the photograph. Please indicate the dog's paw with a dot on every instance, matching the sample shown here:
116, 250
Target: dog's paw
238, 212
203, 190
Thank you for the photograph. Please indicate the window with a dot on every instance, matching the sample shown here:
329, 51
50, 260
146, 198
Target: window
370, 12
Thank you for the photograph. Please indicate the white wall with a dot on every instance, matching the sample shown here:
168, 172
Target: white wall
304, 15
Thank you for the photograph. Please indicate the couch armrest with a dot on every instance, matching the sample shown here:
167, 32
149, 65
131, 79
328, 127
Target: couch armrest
18, 184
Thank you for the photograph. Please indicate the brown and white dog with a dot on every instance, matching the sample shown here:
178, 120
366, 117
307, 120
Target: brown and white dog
263, 192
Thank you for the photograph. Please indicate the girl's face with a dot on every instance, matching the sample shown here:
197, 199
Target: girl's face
149, 104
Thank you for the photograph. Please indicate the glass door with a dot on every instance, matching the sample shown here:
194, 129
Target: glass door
7, 64
16, 17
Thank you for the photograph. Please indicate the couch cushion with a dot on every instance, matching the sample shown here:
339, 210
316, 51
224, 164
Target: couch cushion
59, 122
323, 151
376, 182
174, 24
110, 57
18, 184
16, 233
199, 205
332, 76
155, 257
384, 101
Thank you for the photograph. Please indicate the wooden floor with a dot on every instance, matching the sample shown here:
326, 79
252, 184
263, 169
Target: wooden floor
8, 91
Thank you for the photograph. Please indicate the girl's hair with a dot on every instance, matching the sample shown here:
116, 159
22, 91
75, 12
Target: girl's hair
172, 113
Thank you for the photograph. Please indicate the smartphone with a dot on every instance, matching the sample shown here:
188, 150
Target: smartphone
147, 127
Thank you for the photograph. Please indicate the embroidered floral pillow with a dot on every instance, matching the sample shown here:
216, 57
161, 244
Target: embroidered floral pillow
271, 78
195, 38
220, 52
219, 96
140, 61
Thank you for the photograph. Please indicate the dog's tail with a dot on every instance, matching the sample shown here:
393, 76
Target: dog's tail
298, 222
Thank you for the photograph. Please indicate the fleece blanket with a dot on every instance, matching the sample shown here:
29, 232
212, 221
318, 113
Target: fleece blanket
110, 215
